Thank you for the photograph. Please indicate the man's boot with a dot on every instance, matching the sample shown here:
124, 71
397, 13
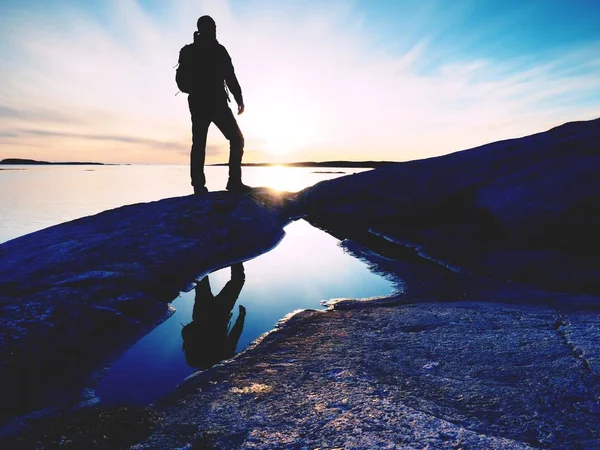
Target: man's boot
237, 187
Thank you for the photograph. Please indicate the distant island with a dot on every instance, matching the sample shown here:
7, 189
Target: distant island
351, 164
337, 164
20, 161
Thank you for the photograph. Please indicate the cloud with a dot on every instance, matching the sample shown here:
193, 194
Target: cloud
175, 146
33, 114
319, 82
8, 112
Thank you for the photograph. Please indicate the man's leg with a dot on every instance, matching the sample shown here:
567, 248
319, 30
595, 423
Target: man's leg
200, 123
226, 122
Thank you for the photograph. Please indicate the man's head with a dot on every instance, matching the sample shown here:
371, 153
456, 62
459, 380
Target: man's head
207, 28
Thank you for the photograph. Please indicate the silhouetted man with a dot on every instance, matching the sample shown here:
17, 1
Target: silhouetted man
208, 339
208, 67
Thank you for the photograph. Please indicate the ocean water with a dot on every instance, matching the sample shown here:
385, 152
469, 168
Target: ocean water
36, 197
307, 267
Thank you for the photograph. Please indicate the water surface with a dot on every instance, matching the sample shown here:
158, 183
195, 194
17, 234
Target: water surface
36, 197
308, 266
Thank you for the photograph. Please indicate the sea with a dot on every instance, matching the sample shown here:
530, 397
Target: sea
307, 268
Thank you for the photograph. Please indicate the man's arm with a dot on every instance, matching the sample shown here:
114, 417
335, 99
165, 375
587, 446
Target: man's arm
232, 82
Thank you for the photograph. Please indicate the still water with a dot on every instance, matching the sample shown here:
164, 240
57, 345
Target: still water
234, 306
36, 197
308, 266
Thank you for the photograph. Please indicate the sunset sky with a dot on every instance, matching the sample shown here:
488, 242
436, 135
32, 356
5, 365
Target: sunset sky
355, 80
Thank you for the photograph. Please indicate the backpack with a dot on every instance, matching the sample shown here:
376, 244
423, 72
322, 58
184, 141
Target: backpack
187, 72
200, 69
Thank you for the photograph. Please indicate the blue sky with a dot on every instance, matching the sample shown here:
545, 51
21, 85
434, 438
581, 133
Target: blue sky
355, 80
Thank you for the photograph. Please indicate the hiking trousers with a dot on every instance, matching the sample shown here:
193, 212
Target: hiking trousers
203, 113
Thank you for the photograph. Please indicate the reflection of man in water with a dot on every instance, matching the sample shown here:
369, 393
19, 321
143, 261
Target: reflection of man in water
208, 339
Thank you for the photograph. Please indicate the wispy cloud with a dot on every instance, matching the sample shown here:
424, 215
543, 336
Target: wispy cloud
318, 82
171, 146
37, 114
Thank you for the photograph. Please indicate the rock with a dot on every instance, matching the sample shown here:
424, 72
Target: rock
480, 375
116, 427
73, 293
524, 209
493, 343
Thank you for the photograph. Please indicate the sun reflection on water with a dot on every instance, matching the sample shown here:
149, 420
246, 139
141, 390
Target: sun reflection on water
282, 178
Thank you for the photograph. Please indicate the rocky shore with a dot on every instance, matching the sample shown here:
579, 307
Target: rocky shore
425, 375
73, 294
495, 342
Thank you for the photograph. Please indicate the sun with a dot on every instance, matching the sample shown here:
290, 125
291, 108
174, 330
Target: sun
288, 131
285, 129
280, 143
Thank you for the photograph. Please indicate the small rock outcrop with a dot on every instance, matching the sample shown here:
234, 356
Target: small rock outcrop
524, 209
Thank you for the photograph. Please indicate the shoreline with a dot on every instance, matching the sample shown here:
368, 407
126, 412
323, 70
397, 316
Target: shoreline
342, 365
32, 162
316, 355
315, 164
119, 294
492, 344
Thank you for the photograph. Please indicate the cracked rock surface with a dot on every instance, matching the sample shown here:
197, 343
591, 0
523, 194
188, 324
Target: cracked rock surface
431, 375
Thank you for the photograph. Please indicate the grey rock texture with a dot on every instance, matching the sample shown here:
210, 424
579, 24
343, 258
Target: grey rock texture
454, 375
524, 209
73, 293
